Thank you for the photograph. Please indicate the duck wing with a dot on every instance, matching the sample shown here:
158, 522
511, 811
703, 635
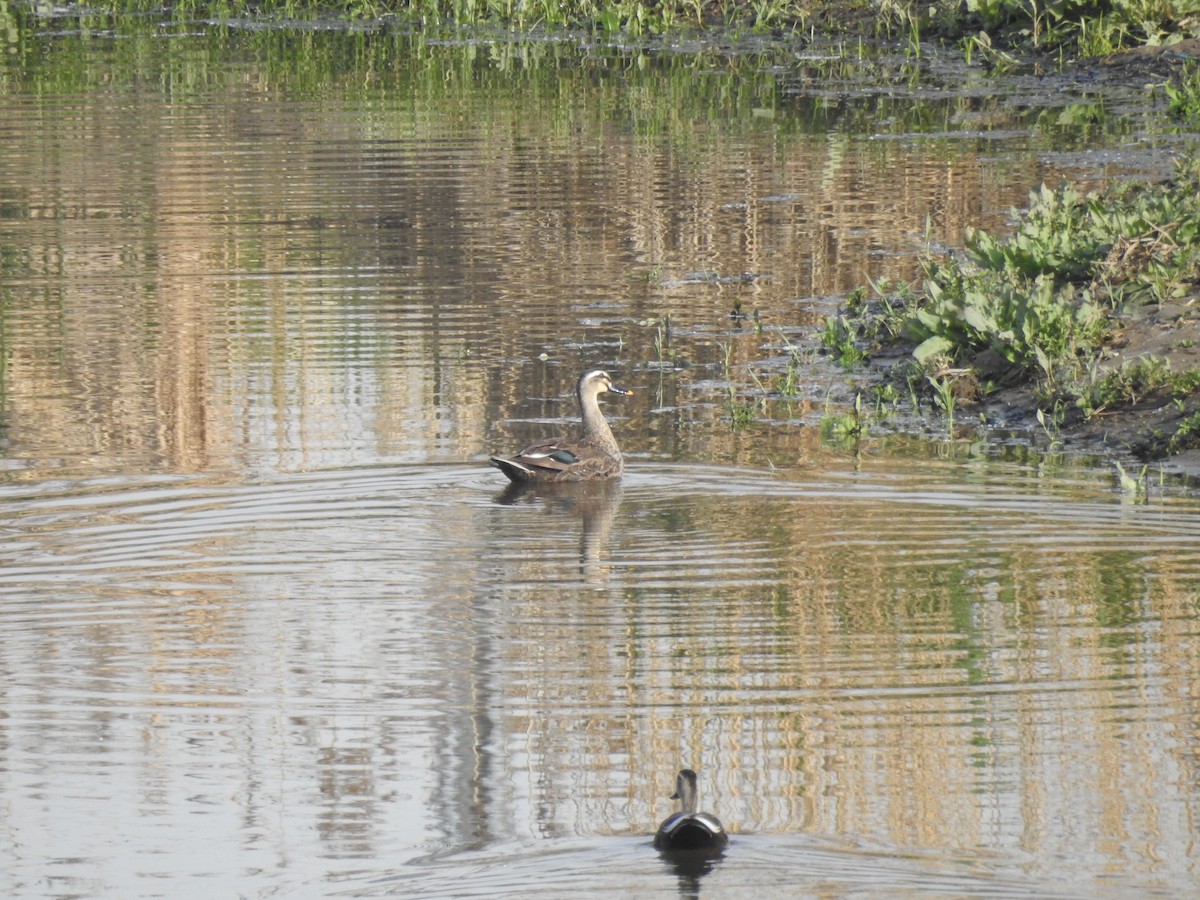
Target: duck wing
552, 460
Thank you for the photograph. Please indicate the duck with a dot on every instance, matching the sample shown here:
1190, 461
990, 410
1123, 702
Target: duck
593, 456
688, 829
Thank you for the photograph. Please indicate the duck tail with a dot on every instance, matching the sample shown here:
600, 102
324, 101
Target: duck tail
513, 469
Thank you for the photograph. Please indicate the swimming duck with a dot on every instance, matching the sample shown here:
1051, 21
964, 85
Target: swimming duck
688, 829
593, 456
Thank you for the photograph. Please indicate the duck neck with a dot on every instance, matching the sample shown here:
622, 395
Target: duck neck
595, 426
687, 797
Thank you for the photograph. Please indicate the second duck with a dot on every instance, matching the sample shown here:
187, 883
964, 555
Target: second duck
689, 829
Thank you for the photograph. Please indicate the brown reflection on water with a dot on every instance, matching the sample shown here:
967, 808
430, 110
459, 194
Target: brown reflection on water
939, 676
242, 275
347, 670
970, 658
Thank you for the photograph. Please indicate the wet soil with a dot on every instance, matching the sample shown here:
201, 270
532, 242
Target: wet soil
1142, 430
1171, 332
1146, 63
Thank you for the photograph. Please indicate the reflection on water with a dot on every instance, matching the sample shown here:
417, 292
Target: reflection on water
690, 868
331, 676
766, 866
266, 303
215, 260
593, 503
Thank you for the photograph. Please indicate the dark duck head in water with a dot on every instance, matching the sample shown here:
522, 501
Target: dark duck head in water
593, 456
689, 829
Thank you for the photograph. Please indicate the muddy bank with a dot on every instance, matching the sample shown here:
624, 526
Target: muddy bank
1083, 323
1152, 427
1155, 426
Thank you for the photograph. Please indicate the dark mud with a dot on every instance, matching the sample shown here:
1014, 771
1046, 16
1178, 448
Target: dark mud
1148, 429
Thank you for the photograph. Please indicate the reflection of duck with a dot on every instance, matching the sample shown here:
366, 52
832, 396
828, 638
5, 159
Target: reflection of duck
594, 502
594, 455
688, 829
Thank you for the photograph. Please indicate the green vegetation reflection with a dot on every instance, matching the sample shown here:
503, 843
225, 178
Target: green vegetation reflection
647, 91
988, 29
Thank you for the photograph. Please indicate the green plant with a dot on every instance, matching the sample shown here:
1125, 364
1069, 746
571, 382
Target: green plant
1083, 27
1186, 436
787, 384
1131, 486
770, 13
943, 395
663, 347
996, 60
992, 13
741, 413
1054, 236
844, 427
1183, 94
1052, 424
886, 399
1041, 305
1135, 379
840, 337
1184, 385
1025, 324
1103, 35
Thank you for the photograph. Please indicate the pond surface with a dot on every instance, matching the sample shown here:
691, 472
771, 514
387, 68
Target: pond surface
271, 627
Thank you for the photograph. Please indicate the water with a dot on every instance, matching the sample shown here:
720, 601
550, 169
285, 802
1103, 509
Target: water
270, 626
977, 670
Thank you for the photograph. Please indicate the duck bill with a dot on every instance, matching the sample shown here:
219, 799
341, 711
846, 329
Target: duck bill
613, 389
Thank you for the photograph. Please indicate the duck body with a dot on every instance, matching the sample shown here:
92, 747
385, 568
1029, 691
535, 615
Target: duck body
689, 829
592, 456
698, 831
